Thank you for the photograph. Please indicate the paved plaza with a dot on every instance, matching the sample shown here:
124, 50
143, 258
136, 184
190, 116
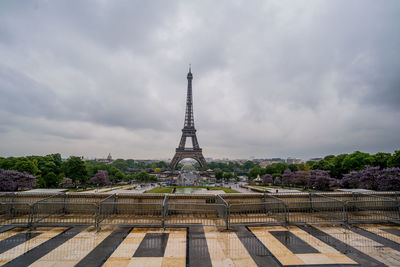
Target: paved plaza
202, 245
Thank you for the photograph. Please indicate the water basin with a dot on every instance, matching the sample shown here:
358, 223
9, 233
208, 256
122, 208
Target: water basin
188, 190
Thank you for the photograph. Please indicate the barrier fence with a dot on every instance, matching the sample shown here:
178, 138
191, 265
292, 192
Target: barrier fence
211, 210
164, 210
267, 210
372, 208
316, 208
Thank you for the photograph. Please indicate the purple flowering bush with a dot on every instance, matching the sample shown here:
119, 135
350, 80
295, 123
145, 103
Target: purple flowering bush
301, 178
101, 178
288, 177
267, 179
369, 178
11, 180
321, 180
389, 179
373, 178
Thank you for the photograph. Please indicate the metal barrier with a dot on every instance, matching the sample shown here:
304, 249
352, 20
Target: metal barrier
220, 210
17, 214
7, 197
372, 208
47, 207
165, 210
223, 210
101, 212
64, 214
318, 208
138, 212
57, 211
270, 210
206, 210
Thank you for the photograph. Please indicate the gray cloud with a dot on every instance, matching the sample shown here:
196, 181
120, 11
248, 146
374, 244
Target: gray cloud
271, 78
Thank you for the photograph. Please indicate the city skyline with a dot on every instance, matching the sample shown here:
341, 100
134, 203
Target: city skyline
282, 79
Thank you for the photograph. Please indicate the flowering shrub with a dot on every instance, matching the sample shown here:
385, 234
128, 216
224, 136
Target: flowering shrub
389, 179
373, 178
369, 178
321, 180
267, 179
11, 180
288, 177
301, 178
101, 178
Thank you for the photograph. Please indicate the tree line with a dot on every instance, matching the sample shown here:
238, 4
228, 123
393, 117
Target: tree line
51, 171
345, 170
380, 171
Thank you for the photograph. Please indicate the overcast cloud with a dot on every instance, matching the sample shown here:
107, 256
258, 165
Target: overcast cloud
271, 78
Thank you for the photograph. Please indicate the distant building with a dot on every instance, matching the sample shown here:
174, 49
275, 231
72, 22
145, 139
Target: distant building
315, 159
107, 160
293, 161
267, 162
208, 173
258, 180
243, 178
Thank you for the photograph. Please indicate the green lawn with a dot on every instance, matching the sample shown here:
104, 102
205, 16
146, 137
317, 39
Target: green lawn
226, 190
168, 189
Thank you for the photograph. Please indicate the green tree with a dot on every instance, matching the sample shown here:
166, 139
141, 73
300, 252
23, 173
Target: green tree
303, 167
120, 164
145, 177
130, 163
227, 175
56, 159
331, 163
8, 163
254, 172
324, 164
75, 168
356, 161
249, 164
130, 177
336, 170
219, 175
293, 167
47, 165
276, 168
394, 160
90, 169
50, 180
50, 171
310, 164
381, 159
115, 174
26, 165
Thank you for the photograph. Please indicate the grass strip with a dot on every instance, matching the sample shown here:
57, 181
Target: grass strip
169, 189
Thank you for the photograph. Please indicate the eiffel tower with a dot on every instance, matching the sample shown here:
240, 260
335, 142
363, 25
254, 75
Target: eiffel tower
188, 131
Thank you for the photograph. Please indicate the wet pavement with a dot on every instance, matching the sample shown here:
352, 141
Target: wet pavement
202, 245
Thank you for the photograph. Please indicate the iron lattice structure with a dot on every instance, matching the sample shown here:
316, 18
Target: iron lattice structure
188, 131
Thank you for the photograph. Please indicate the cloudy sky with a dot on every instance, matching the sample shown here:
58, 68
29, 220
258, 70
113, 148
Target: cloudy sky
271, 78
